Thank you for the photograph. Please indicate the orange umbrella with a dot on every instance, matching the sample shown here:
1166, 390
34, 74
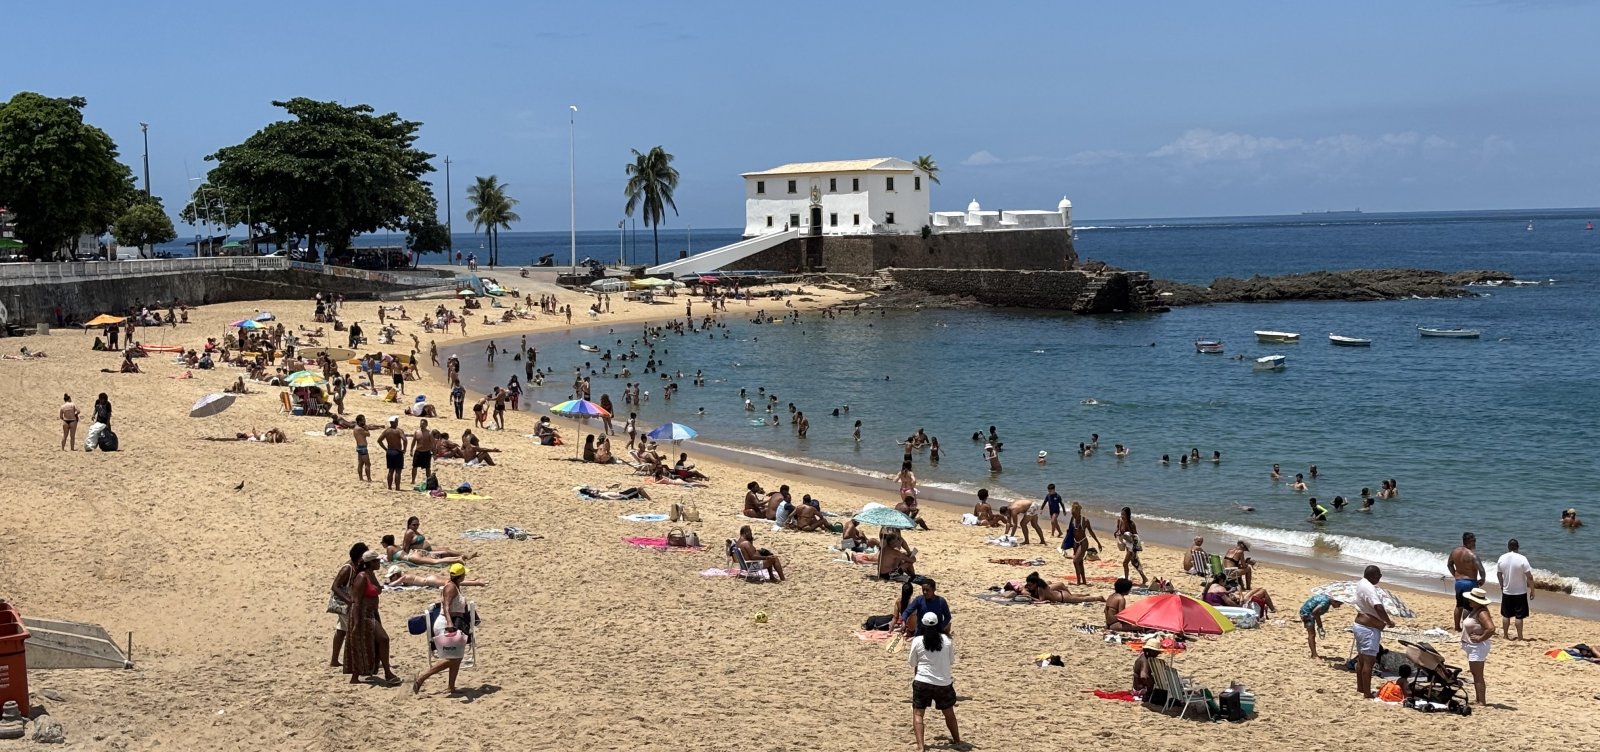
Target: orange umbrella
1176, 612
105, 319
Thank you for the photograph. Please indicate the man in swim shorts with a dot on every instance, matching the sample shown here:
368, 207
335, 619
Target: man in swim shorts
363, 462
421, 451
1467, 570
393, 441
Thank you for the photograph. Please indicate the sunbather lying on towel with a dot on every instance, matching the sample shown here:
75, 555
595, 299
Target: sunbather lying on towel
625, 494
394, 554
269, 436
665, 477
402, 578
1054, 592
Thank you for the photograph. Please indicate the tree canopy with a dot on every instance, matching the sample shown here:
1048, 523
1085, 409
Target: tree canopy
328, 174
144, 223
59, 176
491, 210
651, 181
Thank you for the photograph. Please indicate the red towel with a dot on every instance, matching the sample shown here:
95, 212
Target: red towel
1123, 695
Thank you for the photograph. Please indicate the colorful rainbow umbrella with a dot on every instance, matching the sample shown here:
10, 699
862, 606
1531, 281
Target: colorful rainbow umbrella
1176, 612
581, 408
305, 378
247, 324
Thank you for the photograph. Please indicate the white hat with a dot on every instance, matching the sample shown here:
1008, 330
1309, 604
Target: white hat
930, 619
394, 419
1043, 453
988, 446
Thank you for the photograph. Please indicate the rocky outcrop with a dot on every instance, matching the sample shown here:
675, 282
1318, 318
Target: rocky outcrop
1355, 284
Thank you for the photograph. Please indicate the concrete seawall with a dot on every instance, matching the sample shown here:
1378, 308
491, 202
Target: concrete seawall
864, 254
1075, 290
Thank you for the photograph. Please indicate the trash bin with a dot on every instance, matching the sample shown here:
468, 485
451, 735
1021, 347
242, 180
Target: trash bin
42, 328
13, 658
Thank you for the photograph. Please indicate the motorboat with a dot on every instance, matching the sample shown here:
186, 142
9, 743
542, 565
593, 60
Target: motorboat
1270, 336
1348, 341
1211, 346
1271, 363
1449, 333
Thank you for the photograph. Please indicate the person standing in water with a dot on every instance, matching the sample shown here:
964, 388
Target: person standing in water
992, 455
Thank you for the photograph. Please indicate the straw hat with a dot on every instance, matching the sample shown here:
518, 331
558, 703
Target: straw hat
1477, 596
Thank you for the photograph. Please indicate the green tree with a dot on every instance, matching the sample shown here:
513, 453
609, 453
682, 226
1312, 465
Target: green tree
144, 223
926, 164
426, 235
328, 174
491, 211
651, 181
59, 176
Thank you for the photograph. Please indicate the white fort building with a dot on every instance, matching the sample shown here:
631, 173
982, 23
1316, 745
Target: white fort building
882, 195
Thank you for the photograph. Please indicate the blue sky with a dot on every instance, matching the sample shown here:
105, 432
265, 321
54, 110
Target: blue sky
1131, 109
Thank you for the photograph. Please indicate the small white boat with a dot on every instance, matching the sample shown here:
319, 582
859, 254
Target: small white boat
1271, 363
1270, 336
1348, 341
588, 348
1212, 346
1450, 333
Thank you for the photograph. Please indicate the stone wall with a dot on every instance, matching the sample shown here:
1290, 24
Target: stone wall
1075, 290
1049, 248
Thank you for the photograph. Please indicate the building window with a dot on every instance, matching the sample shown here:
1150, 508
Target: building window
833, 220
855, 185
888, 217
794, 220
888, 184
791, 186
855, 219
761, 187
916, 182
833, 184
769, 220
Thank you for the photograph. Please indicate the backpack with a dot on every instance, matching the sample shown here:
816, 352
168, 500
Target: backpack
877, 623
108, 440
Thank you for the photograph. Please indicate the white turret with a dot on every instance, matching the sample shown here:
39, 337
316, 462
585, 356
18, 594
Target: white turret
1065, 207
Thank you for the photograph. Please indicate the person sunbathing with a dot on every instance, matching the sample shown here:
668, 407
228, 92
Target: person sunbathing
1054, 592
417, 556
602, 451
626, 494
755, 504
807, 518
270, 436
414, 540
1116, 603
853, 538
665, 477
397, 576
475, 454
895, 556
238, 387
1217, 594
747, 549
685, 469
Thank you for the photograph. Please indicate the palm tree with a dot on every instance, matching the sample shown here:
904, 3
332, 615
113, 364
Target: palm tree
491, 210
651, 181
927, 165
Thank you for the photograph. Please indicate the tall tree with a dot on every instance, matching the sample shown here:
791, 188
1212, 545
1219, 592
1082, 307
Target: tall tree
426, 235
144, 223
651, 181
491, 210
329, 173
926, 164
59, 176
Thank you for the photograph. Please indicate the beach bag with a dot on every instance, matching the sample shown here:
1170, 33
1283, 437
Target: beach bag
692, 540
688, 513
677, 539
108, 440
336, 606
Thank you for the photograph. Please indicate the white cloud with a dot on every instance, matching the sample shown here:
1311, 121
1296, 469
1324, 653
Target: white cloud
1437, 142
1203, 145
981, 158
1093, 157
1495, 145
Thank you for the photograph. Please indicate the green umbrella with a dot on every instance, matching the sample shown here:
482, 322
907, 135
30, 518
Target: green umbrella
12, 243
882, 516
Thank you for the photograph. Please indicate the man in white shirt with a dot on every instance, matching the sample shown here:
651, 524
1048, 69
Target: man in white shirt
1516, 587
1371, 619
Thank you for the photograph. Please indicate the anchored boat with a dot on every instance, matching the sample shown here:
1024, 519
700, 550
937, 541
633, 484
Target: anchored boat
1271, 363
1211, 346
1271, 336
1449, 333
1348, 341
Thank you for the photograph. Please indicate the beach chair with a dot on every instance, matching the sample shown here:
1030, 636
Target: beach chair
1230, 575
751, 571
1199, 564
288, 406
1179, 689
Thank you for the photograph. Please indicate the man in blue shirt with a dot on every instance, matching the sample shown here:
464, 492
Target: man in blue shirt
1052, 505
927, 603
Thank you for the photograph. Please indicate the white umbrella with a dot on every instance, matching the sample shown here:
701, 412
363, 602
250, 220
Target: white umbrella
210, 405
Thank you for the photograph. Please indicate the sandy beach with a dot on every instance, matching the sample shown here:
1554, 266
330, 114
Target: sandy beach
588, 642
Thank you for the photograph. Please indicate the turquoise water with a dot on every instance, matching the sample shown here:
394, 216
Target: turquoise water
1496, 435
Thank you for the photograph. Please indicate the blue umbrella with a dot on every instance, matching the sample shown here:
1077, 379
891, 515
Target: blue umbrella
882, 516
672, 432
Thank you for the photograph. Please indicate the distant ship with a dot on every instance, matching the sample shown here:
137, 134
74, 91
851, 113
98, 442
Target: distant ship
1332, 213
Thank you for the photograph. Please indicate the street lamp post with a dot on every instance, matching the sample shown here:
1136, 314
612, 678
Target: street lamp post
450, 249
145, 129
572, 176
621, 223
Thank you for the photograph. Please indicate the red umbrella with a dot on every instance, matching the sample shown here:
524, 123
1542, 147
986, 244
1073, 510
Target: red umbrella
1176, 612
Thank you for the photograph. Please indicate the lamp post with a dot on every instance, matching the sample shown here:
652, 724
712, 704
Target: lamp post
144, 128
450, 245
621, 239
572, 176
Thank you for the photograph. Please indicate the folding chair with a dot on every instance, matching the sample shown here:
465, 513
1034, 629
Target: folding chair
752, 571
1180, 689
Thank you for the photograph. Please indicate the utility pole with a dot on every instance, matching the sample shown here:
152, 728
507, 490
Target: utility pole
572, 167
450, 250
144, 128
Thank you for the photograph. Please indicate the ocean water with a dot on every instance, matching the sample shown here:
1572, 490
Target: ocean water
1496, 435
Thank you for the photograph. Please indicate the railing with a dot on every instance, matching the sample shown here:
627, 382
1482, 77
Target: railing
69, 270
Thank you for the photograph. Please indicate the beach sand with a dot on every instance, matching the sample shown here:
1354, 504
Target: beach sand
589, 643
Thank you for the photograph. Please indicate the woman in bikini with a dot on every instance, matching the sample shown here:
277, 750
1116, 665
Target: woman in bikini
69, 423
1079, 531
1055, 592
1236, 559
1217, 594
393, 553
1128, 541
907, 480
414, 540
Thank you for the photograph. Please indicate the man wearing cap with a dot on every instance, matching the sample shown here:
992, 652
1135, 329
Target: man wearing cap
1371, 619
393, 441
1516, 587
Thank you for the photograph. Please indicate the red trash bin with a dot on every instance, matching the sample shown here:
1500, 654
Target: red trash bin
13, 658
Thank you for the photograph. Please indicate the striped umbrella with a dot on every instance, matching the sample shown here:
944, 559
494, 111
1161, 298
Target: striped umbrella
305, 378
581, 407
672, 432
247, 324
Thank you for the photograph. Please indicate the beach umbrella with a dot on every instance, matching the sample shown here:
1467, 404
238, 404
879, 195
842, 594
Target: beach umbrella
1176, 612
210, 405
247, 324
11, 244
672, 432
466, 293
265, 316
305, 378
105, 319
882, 516
581, 407
1345, 592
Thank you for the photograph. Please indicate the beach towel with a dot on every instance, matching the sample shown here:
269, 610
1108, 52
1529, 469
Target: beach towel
652, 517
184, 375
1019, 562
865, 635
719, 572
659, 544
498, 533
468, 497
1001, 599
1004, 540
1121, 695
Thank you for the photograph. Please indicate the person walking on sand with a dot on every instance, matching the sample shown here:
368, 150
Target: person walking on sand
393, 441
451, 631
1467, 570
366, 644
69, 423
1477, 629
433, 353
363, 460
931, 657
458, 397
339, 599
1128, 540
1053, 506
1371, 619
1516, 587
1079, 531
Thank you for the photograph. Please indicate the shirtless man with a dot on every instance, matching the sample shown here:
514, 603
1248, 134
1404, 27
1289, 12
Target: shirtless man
393, 441
1022, 513
1115, 603
363, 460
807, 518
1467, 570
908, 506
755, 504
421, 451
747, 548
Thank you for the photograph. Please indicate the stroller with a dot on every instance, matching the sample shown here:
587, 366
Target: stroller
1437, 685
